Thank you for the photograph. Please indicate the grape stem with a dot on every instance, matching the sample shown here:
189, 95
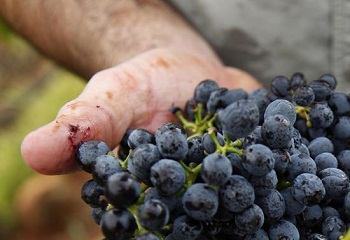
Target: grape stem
229, 146
304, 112
199, 126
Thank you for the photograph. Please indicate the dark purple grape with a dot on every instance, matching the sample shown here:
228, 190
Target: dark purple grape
118, 224
251, 219
96, 214
308, 189
140, 136
280, 86
273, 206
341, 127
277, 131
105, 166
195, 153
293, 207
336, 183
153, 214
283, 230
258, 160
222, 97
141, 160
236, 194
239, 118
321, 90
304, 96
321, 115
92, 194
168, 176
122, 190
297, 80
333, 227
281, 107
203, 90
200, 201
330, 79
186, 228
171, 141
88, 152
216, 169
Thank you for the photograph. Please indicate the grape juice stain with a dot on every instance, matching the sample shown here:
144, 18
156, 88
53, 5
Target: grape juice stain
77, 134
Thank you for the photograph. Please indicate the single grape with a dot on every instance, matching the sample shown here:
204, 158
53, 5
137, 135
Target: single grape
216, 169
88, 152
304, 96
96, 214
283, 230
325, 160
236, 194
105, 166
297, 80
333, 227
311, 216
140, 136
293, 207
118, 224
280, 86
203, 90
200, 201
186, 228
141, 160
277, 131
341, 127
281, 107
320, 145
258, 159
168, 176
239, 118
273, 206
330, 79
195, 153
251, 219
153, 214
308, 189
222, 97
321, 90
122, 190
261, 99
336, 183
339, 102
263, 185
172, 142
92, 194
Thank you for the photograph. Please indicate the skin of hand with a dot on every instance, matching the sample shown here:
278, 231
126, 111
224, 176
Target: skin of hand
136, 94
138, 85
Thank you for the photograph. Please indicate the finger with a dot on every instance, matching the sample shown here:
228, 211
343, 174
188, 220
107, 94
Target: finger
236, 78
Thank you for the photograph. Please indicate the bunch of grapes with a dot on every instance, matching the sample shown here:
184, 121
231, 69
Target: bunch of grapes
269, 164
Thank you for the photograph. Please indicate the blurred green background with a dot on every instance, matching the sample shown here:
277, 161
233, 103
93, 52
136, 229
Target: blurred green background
32, 90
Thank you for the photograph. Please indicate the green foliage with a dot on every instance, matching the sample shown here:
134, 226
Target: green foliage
5, 31
39, 110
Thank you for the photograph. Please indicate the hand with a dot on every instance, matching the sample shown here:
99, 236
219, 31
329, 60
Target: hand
137, 93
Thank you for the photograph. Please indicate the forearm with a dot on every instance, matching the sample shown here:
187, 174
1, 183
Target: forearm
88, 36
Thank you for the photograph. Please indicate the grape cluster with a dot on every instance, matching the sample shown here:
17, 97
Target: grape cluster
269, 164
